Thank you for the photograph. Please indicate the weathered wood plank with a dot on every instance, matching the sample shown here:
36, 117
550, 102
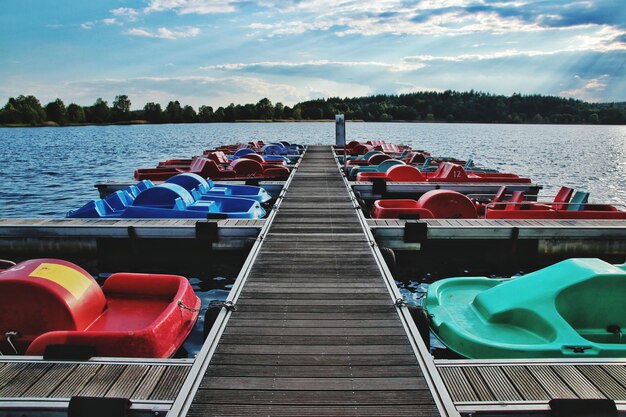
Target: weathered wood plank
313, 360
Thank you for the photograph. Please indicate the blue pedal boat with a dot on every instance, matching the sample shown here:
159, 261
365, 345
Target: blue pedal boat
168, 201
203, 189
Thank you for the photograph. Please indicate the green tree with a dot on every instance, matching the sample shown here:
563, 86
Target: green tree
23, 109
297, 112
279, 109
205, 114
99, 112
121, 107
265, 109
153, 113
230, 114
75, 114
174, 112
189, 115
56, 112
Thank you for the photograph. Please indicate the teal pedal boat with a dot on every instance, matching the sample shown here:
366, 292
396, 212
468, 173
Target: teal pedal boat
572, 309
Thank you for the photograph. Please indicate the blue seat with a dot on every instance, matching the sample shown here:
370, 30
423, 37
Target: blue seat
578, 201
169, 201
203, 189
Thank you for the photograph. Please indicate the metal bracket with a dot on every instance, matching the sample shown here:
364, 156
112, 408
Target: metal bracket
400, 302
379, 186
228, 305
98, 407
583, 408
69, 352
415, 232
206, 230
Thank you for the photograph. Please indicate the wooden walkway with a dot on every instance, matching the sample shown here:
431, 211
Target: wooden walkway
316, 331
150, 384
523, 385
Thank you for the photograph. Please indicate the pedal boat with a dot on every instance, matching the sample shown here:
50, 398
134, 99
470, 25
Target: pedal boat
572, 309
49, 302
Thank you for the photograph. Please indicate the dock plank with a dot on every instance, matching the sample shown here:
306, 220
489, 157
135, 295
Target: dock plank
316, 331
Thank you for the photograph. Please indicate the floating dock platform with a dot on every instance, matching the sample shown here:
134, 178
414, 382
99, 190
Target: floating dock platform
314, 324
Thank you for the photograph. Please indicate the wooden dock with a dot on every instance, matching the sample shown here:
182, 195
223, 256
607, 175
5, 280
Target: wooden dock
552, 237
316, 331
318, 325
28, 383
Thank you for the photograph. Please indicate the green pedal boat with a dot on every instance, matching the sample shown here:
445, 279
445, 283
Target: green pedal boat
573, 309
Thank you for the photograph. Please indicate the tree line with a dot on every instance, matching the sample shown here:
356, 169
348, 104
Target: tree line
447, 106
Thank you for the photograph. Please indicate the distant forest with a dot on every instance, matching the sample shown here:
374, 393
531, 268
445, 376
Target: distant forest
447, 106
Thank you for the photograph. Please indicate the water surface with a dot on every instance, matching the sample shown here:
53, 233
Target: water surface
48, 171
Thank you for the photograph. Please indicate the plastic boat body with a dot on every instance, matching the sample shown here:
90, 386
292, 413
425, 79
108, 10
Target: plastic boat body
170, 201
207, 189
208, 168
446, 172
53, 302
572, 309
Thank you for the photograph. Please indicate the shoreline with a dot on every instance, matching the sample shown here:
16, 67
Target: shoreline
145, 122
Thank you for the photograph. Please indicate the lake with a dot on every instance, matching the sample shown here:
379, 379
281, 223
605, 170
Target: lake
48, 171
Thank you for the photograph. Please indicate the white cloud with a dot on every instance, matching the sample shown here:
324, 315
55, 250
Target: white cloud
192, 6
589, 88
109, 21
87, 25
127, 13
192, 90
165, 33
395, 67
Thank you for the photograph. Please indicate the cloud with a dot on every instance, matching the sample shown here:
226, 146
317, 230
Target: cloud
322, 64
192, 90
183, 7
109, 21
87, 25
127, 13
587, 89
439, 17
165, 33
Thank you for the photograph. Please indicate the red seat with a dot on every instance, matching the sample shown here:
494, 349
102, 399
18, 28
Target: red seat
562, 198
53, 302
448, 204
404, 173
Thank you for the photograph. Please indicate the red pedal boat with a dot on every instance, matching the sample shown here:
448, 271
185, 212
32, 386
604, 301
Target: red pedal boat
446, 172
208, 168
46, 302
448, 204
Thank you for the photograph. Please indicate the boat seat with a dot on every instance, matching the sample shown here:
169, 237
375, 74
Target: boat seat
427, 162
385, 165
219, 157
578, 201
242, 152
447, 204
499, 196
450, 171
404, 173
469, 164
514, 202
119, 200
378, 159
562, 198
213, 170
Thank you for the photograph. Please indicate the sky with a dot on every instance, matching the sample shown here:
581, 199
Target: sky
216, 52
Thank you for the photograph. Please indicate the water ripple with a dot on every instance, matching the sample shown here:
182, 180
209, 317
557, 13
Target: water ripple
53, 170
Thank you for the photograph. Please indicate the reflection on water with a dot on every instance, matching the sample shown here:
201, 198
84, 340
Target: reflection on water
208, 290
48, 171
